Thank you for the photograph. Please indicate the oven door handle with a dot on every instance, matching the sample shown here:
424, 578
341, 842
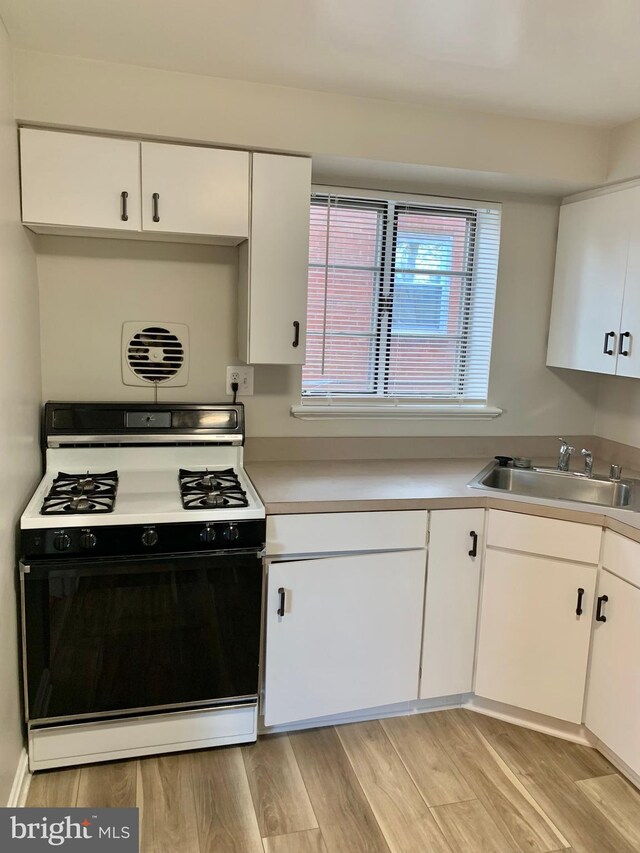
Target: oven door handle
41, 568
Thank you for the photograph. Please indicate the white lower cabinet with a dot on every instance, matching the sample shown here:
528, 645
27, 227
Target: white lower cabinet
343, 634
533, 646
451, 605
613, 699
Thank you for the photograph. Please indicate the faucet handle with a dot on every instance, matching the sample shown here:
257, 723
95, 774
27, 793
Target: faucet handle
615, 472
566, 445
586, 452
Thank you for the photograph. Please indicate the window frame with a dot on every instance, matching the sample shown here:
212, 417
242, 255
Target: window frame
374, 403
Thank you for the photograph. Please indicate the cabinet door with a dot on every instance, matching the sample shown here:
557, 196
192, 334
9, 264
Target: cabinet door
349, 637
591, 263
532, 646
451, 606
73, 180
273, 315
200, 191
613, 698
629, 341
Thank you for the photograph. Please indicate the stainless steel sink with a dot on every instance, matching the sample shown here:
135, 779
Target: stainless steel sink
557, 485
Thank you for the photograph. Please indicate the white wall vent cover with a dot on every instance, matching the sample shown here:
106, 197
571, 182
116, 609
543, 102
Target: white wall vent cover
155, 353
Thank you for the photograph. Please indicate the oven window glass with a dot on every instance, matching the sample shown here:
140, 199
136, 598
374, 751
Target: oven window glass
106, 637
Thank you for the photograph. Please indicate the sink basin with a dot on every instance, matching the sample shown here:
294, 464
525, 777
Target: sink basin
556, 485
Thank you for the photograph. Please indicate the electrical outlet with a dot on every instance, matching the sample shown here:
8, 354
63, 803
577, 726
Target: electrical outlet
243, 375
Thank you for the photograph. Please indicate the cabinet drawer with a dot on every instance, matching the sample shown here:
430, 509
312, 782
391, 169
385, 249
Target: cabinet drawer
566, 540
621, 556
334, 532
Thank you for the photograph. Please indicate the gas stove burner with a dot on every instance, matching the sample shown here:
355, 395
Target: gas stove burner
81, 493
80, 504
85, 484
214, 498
211, 489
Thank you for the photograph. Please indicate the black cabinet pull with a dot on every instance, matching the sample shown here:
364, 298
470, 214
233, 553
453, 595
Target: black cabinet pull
296, 333
124, 195
579, 602
602, 599
156, 214
282, 593
621, 349
474, 547
606, 349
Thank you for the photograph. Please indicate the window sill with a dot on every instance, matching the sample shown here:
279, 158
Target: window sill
424, 411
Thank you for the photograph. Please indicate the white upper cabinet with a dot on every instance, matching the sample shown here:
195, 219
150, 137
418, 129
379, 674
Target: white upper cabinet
451, 608
196, 191
79, 181
595, 316
628, 363
75, 183
274, 263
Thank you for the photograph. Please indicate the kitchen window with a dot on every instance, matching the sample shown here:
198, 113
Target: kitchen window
400, 306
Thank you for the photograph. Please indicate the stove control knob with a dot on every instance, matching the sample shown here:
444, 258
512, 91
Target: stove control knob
88, 540
150, 537
231, 533
208, 534
61, 541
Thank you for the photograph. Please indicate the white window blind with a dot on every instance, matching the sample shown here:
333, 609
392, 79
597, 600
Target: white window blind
401, 300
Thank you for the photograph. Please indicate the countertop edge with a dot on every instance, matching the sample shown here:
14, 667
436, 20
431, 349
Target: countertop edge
448, 489
598, 519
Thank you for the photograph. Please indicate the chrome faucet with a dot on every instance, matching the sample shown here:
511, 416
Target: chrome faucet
564, 456
588, 463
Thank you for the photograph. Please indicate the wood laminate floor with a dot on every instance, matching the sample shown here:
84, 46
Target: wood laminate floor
446, 782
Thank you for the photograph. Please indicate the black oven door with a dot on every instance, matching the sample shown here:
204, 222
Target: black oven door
111, 637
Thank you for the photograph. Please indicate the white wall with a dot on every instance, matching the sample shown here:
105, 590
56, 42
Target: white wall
19, 404
624, 152
81, 93
89, 287
618, 410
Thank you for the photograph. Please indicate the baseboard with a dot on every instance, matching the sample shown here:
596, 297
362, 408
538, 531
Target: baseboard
531, 720
618, 763
420, 706
21, 782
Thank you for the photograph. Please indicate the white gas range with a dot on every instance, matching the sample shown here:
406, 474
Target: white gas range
141, 569
148, 487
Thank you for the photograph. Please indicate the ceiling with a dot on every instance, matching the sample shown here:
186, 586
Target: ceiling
568, 60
